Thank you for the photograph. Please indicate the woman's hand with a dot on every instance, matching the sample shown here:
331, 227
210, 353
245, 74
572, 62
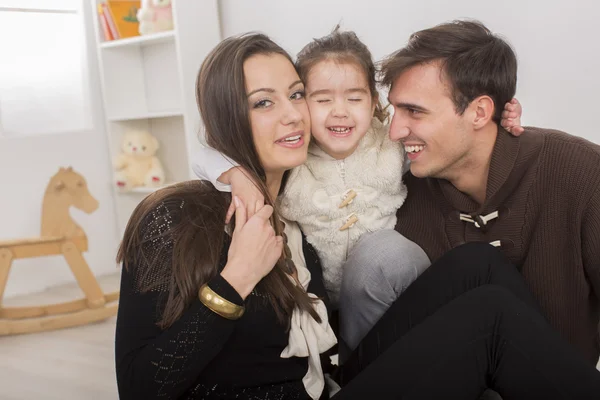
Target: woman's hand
245, 189
254, 249
511, 117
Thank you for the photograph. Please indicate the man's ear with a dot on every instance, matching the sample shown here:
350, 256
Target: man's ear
482, 111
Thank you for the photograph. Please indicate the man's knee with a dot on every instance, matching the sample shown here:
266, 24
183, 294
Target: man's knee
473, 250
478, 256
493, 298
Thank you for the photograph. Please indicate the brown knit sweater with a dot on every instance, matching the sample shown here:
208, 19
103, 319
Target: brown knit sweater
546, 187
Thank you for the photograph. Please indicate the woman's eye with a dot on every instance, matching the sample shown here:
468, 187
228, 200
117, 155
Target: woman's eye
323, 101
263, 104
299, 95
355, 100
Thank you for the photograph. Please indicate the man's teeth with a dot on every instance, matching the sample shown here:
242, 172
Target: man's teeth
339, 130
291, 138
413, 149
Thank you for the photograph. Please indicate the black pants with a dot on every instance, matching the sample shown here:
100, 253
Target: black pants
467, 324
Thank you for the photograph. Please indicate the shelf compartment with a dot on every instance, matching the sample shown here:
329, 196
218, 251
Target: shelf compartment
140, 41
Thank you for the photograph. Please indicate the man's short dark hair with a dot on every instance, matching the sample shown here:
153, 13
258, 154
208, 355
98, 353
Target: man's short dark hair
474, 62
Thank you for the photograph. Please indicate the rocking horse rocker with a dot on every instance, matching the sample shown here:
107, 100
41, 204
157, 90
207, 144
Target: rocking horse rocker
60, 235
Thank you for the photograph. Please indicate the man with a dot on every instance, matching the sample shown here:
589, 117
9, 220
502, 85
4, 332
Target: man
536, 197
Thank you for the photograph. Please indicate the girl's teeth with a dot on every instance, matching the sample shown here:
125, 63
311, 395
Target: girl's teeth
339, 130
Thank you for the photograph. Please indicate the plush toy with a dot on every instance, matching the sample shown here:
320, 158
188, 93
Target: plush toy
155, 16
138, 165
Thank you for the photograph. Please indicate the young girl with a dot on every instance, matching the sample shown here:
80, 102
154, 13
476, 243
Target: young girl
345, 197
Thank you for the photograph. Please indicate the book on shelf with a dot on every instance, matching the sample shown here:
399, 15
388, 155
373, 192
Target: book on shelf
106, 33
121, 18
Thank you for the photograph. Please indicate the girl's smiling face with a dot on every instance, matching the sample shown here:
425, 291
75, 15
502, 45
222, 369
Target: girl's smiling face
341, 106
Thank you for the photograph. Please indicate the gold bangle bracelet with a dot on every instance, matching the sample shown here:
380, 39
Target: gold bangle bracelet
218, 304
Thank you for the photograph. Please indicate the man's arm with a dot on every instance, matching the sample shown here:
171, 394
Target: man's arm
590, 242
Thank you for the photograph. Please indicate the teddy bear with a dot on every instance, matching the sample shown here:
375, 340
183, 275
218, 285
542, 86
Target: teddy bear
138, 165
155, 16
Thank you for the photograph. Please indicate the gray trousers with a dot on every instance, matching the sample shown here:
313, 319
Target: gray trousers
381, 265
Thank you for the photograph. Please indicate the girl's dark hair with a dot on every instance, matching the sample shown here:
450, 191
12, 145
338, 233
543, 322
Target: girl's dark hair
342, 47
198, 234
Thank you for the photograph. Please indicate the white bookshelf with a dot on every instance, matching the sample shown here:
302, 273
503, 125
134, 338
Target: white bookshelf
146, 40
149, 82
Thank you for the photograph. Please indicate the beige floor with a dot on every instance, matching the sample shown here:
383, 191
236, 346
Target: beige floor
70, 364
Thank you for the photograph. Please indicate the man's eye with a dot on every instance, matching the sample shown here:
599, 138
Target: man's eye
323, 101
355, 100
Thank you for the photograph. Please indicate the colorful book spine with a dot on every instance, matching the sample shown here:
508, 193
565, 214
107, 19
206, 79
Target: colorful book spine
104, 24
111, 22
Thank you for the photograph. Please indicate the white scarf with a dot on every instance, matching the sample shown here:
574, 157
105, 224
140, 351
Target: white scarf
307, 338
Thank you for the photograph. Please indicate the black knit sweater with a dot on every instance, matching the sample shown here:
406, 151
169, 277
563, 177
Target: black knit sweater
202, 355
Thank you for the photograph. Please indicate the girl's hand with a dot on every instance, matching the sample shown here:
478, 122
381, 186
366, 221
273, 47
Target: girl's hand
511, 117
244, 188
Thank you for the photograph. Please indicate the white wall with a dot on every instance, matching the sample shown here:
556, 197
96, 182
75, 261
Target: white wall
557, 42
26, 165
559, 78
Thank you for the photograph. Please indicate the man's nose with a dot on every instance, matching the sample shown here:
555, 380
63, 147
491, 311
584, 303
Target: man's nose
398, 128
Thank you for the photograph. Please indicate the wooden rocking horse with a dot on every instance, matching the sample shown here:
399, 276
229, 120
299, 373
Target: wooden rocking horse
60, 235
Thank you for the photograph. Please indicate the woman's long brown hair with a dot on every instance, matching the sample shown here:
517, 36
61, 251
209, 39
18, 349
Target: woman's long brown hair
199, 234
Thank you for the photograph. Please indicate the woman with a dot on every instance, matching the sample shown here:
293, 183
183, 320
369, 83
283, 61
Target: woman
215, 311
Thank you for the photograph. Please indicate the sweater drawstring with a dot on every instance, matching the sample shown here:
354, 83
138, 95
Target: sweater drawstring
481, 221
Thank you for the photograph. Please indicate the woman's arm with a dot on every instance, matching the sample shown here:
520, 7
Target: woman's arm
155, 363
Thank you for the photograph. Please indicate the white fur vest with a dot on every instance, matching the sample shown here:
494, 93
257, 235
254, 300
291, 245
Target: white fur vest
315, 190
